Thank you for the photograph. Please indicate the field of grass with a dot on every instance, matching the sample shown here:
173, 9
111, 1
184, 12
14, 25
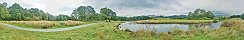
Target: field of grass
45, 24
175, 21
231, 30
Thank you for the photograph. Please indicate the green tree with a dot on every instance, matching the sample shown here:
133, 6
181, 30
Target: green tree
108, 13
242, 15
51, 17
83, 13
38, 14
4, 12
61, 17
200, 14
210, 15
26, 15
16, 12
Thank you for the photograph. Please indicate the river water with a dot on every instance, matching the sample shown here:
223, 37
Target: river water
167, 27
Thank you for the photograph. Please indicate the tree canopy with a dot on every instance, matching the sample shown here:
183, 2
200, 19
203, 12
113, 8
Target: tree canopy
200, 14
242, 16
16, 12
84, 13
4, 12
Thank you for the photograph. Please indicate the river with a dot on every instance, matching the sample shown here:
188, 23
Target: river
167, 27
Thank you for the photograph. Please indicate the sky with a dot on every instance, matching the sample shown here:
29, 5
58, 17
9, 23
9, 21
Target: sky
136, 7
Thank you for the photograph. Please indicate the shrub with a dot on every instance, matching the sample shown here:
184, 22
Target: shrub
44, 24
231, 23
72, 23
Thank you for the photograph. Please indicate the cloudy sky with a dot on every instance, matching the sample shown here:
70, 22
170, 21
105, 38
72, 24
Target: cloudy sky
135, 7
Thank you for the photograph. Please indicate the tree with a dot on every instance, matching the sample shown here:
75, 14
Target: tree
209, 14
26, 15
61, 17
235, 16
16, 12
108, 14
200, 14
242, 15
83, 13
51, 17
4, 12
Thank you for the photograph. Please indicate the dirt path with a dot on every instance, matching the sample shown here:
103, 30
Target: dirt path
48, 30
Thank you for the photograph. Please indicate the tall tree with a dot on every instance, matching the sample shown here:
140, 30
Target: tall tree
38, 14
200, 14
210, 15
83, 13
109, 14
4, 12
16, 12
51, 17
242, 15
62, 17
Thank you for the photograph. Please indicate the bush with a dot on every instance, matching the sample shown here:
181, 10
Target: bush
231, 23
44, 24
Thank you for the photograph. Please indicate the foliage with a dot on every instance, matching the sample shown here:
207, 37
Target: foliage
62, 17
134, 18
200, 14
45, 24
242, 15
4, 12
235, 16
84, 13
170, 21
108, 14
16, 12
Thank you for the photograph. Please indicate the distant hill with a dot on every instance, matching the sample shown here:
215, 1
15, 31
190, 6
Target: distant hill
220, 13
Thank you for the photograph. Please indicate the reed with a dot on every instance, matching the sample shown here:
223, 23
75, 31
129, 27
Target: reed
45, 24
174, 21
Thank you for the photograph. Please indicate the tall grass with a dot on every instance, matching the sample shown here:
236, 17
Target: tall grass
44, 24
174, 21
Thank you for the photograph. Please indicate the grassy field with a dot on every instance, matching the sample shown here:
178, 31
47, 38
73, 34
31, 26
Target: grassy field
231, 30
45, 24
175, 21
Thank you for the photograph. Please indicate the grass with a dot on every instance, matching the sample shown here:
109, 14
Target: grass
174, 21
109, 31
87, 33
45, 24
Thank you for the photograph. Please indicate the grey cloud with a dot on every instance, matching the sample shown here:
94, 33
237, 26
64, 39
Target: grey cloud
132, 3
137, 7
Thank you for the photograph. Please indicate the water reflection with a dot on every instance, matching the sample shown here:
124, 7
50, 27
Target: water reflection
166, 27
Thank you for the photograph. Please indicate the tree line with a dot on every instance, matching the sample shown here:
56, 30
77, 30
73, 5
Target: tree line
238, 16
82, 13
16, 12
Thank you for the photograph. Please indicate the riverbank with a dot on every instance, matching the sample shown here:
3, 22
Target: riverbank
174, 21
